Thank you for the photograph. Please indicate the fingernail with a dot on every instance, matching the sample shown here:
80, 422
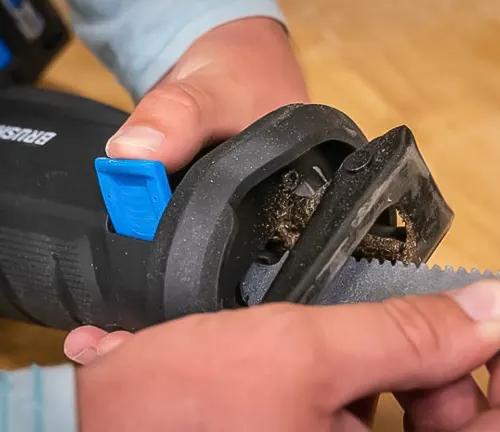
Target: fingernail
480, 301
80, 344
84, 357
133, 141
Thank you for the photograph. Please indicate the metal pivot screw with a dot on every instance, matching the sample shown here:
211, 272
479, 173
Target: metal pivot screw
357, 161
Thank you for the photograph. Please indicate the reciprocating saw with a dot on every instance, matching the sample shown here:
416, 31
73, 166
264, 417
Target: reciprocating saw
298, 207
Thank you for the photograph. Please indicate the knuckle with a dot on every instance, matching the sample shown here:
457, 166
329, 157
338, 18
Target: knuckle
418, 331
186, 97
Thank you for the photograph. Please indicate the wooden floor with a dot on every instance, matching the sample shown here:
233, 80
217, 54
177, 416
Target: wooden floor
433, 66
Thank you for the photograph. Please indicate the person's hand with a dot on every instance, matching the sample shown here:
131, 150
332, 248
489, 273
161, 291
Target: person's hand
302, 368
229, 78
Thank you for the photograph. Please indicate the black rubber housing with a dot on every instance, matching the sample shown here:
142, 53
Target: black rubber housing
60, 266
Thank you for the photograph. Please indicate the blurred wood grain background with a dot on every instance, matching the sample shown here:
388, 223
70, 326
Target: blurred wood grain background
433, 66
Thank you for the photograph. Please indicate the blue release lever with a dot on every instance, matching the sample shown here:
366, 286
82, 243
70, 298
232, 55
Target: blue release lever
135, 193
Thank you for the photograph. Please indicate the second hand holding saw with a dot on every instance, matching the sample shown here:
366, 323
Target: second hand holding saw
299, 207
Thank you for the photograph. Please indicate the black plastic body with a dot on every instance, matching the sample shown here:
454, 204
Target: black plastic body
32, 56
59, 265
62, 266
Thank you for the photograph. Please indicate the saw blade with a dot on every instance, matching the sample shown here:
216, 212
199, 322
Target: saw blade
373, 281
369, 281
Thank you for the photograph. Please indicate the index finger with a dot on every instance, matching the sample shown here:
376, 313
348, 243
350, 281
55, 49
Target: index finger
405, 343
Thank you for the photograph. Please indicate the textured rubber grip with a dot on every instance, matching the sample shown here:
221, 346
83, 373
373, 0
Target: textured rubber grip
60, 263
43, 281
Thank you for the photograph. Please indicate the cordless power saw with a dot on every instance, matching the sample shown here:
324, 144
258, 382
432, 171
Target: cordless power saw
299, 207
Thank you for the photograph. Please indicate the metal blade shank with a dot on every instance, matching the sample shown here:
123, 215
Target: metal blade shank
372, 281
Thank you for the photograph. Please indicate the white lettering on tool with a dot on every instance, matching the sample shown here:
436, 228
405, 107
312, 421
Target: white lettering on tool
25, 135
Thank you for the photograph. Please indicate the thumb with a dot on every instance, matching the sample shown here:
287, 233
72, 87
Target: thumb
84, 344
407, 343
230, 77
170, 124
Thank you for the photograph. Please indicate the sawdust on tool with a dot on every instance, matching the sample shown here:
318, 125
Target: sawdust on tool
390, 249
289, 213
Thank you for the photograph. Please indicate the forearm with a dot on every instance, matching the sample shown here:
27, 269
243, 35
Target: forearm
140, 41
38, 399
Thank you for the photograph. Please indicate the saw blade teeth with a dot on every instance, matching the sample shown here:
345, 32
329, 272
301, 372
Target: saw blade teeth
424, 267
363, 281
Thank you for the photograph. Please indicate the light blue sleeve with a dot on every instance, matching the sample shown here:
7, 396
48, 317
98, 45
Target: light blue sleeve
140, 40
38, 400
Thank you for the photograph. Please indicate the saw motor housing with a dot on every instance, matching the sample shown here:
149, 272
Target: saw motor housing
271, 214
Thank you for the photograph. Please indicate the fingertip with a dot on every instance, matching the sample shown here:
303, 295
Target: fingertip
171, 124
136, 142
80, 343
480, 300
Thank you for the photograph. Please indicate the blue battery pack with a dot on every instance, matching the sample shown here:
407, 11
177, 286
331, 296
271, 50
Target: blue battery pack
5, 55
